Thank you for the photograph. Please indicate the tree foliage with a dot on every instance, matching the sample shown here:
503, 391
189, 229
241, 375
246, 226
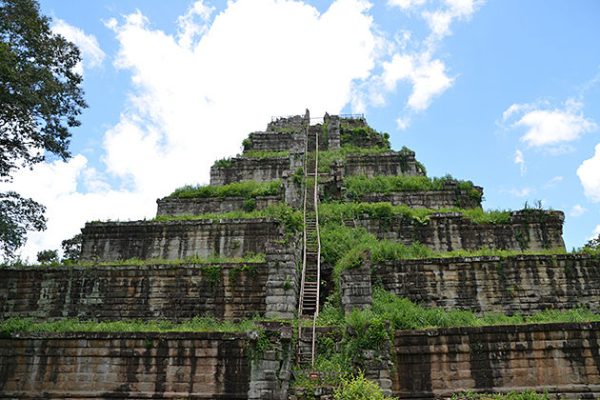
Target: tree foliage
17, 215
40, 101
39, 91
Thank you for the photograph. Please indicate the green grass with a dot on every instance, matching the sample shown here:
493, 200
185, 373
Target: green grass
289, 217
212, 260
246, 189
346, 247
526, 395
340, 212
198, 324
401, 313
265, 154
358, 186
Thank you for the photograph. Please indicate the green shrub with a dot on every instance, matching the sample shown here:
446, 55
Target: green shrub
359, 388
223, 163
352, 135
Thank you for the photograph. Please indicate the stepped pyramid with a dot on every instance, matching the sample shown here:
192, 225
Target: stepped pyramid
260, 243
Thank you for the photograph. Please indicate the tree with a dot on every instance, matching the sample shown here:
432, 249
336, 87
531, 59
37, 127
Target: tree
40, 101
46, 257
592, 246
72, 248
17, 215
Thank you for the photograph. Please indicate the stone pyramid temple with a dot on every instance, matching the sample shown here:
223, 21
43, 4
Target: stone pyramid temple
317, 255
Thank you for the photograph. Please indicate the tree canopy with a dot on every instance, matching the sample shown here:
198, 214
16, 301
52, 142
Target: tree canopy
40, 101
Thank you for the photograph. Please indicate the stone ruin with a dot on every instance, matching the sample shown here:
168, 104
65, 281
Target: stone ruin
562, 359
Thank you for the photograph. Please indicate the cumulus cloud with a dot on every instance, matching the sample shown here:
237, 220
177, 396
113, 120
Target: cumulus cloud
406, 4
420, 68
596, 233
589, 175
196, 94
427, 77
523, 192
440, 20
577, 211
555, 181
520, 161
91, 53
546, 126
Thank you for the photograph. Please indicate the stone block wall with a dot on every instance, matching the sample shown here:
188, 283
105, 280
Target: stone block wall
386, 164
433, 199
177, 239
291, 123
451, 231
510, 285
276, 141
356, 288
562, 359
144, 365
174, 292
196, 206
246, 169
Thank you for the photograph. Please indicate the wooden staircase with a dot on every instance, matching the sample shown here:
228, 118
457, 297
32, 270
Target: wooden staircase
308, 304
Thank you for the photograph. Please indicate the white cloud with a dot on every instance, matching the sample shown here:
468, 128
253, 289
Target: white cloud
427, 77
406, 4
520, 161
596, 233
577, 211
589, 175
196, 94
440, 20
91, 53
549, 127
56, 186
554, 182
523, 192
420, 67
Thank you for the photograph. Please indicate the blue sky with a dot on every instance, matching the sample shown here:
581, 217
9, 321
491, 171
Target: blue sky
505, 93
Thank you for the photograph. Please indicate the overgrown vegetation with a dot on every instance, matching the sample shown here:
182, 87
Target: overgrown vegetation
526, 395
359, 388
212, 260
358, 186
363, 334
198, 324
265, 154
401, 313
361, 135
286, 215
346, 247
246, 189
341, 212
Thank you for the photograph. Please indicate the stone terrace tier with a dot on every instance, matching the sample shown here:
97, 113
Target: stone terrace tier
448, 197
174, 292
173, 206
523, 284
392, 163
526, 230
145, 365
561, 359
252, 169
178, 239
